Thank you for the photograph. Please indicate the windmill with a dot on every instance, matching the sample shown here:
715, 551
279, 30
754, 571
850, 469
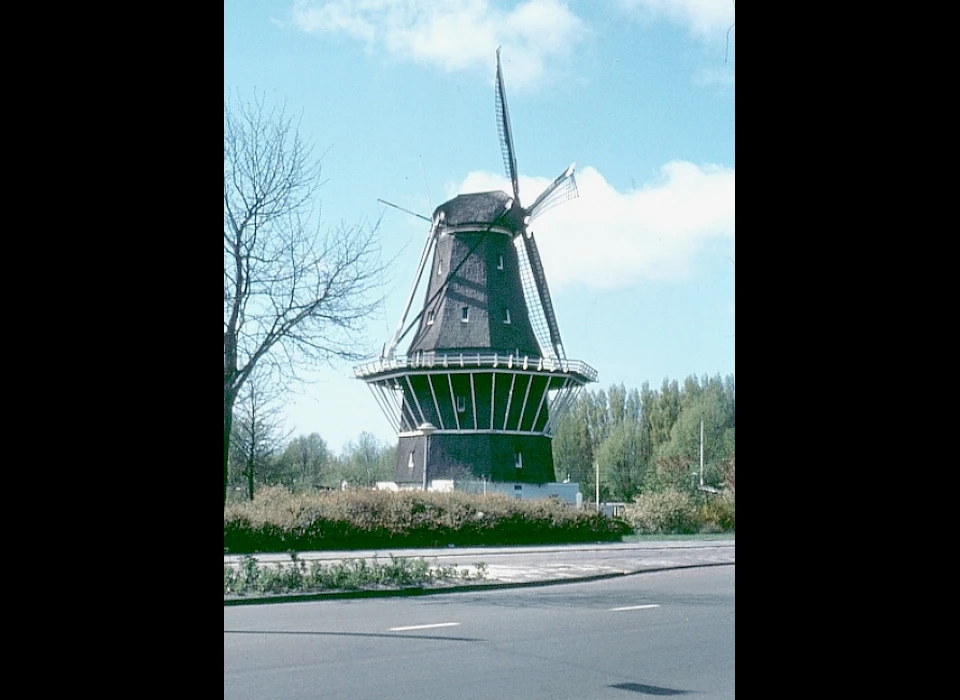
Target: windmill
485, 372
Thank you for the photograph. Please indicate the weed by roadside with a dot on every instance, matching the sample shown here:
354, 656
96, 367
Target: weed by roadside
250, 577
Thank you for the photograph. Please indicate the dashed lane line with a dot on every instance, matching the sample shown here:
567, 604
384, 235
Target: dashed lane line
424, 627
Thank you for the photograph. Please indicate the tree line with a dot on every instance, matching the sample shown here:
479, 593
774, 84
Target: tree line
262, 453
643, 440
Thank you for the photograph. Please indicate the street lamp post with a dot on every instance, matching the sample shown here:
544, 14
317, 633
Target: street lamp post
426, 429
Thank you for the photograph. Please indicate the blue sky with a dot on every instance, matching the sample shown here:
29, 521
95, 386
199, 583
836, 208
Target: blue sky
398, 96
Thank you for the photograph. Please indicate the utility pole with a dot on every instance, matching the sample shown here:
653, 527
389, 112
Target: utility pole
596, 471
701, 452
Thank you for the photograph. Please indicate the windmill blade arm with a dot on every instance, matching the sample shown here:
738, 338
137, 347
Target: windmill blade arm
506, 133
424, 256
563, 189
406, 211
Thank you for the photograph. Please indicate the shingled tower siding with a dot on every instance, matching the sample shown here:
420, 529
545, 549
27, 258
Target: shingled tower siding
491, 296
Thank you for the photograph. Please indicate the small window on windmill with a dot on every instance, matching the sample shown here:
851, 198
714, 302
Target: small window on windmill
465, 314
519, 460
429, 318
506, 317
500, 263
461, 404
410, 461
439, 268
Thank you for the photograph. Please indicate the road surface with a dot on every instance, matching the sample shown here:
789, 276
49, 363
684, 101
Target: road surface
668, 633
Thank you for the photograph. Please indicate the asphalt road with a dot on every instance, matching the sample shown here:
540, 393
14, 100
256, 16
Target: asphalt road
667, 633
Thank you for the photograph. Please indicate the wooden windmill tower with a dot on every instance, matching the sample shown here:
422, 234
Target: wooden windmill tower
485, 377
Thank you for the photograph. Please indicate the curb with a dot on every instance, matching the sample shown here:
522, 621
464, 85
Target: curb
464, 588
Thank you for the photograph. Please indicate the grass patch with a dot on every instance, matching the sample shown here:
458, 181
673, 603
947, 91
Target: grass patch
709, 537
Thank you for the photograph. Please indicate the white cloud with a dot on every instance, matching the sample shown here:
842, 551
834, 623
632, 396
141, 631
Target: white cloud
608, 239
708, 19
455, 35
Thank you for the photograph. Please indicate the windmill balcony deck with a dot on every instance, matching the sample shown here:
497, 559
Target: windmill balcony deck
475, 392
383, 368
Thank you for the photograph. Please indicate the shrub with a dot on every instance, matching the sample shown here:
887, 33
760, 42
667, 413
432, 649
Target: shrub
718, 514
666, 512
278, 521
680, 513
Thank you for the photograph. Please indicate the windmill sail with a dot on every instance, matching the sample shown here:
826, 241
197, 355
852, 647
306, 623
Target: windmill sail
506, 133
537, 295
424, 256
563, 189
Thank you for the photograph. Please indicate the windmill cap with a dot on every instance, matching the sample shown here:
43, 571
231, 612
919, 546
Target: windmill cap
480, 208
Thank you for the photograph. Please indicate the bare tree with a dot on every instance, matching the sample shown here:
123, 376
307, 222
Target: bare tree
258, 434
292, 293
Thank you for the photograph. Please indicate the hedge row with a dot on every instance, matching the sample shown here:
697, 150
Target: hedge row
279, 521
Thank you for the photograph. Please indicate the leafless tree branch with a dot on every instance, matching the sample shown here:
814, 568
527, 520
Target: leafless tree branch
293, 293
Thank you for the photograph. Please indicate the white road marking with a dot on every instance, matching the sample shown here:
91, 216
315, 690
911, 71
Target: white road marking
633, 607
424, 627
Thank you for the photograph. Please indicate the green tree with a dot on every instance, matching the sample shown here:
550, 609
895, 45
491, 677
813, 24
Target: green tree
712, 404
366, 460
633, 409
598, 417
573, 454
623, 461
617, 404
664, 411
306, 461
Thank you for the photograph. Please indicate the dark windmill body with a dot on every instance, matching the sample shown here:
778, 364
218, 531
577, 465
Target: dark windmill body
485, 377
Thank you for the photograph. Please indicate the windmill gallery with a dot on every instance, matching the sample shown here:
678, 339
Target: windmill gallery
485, 376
